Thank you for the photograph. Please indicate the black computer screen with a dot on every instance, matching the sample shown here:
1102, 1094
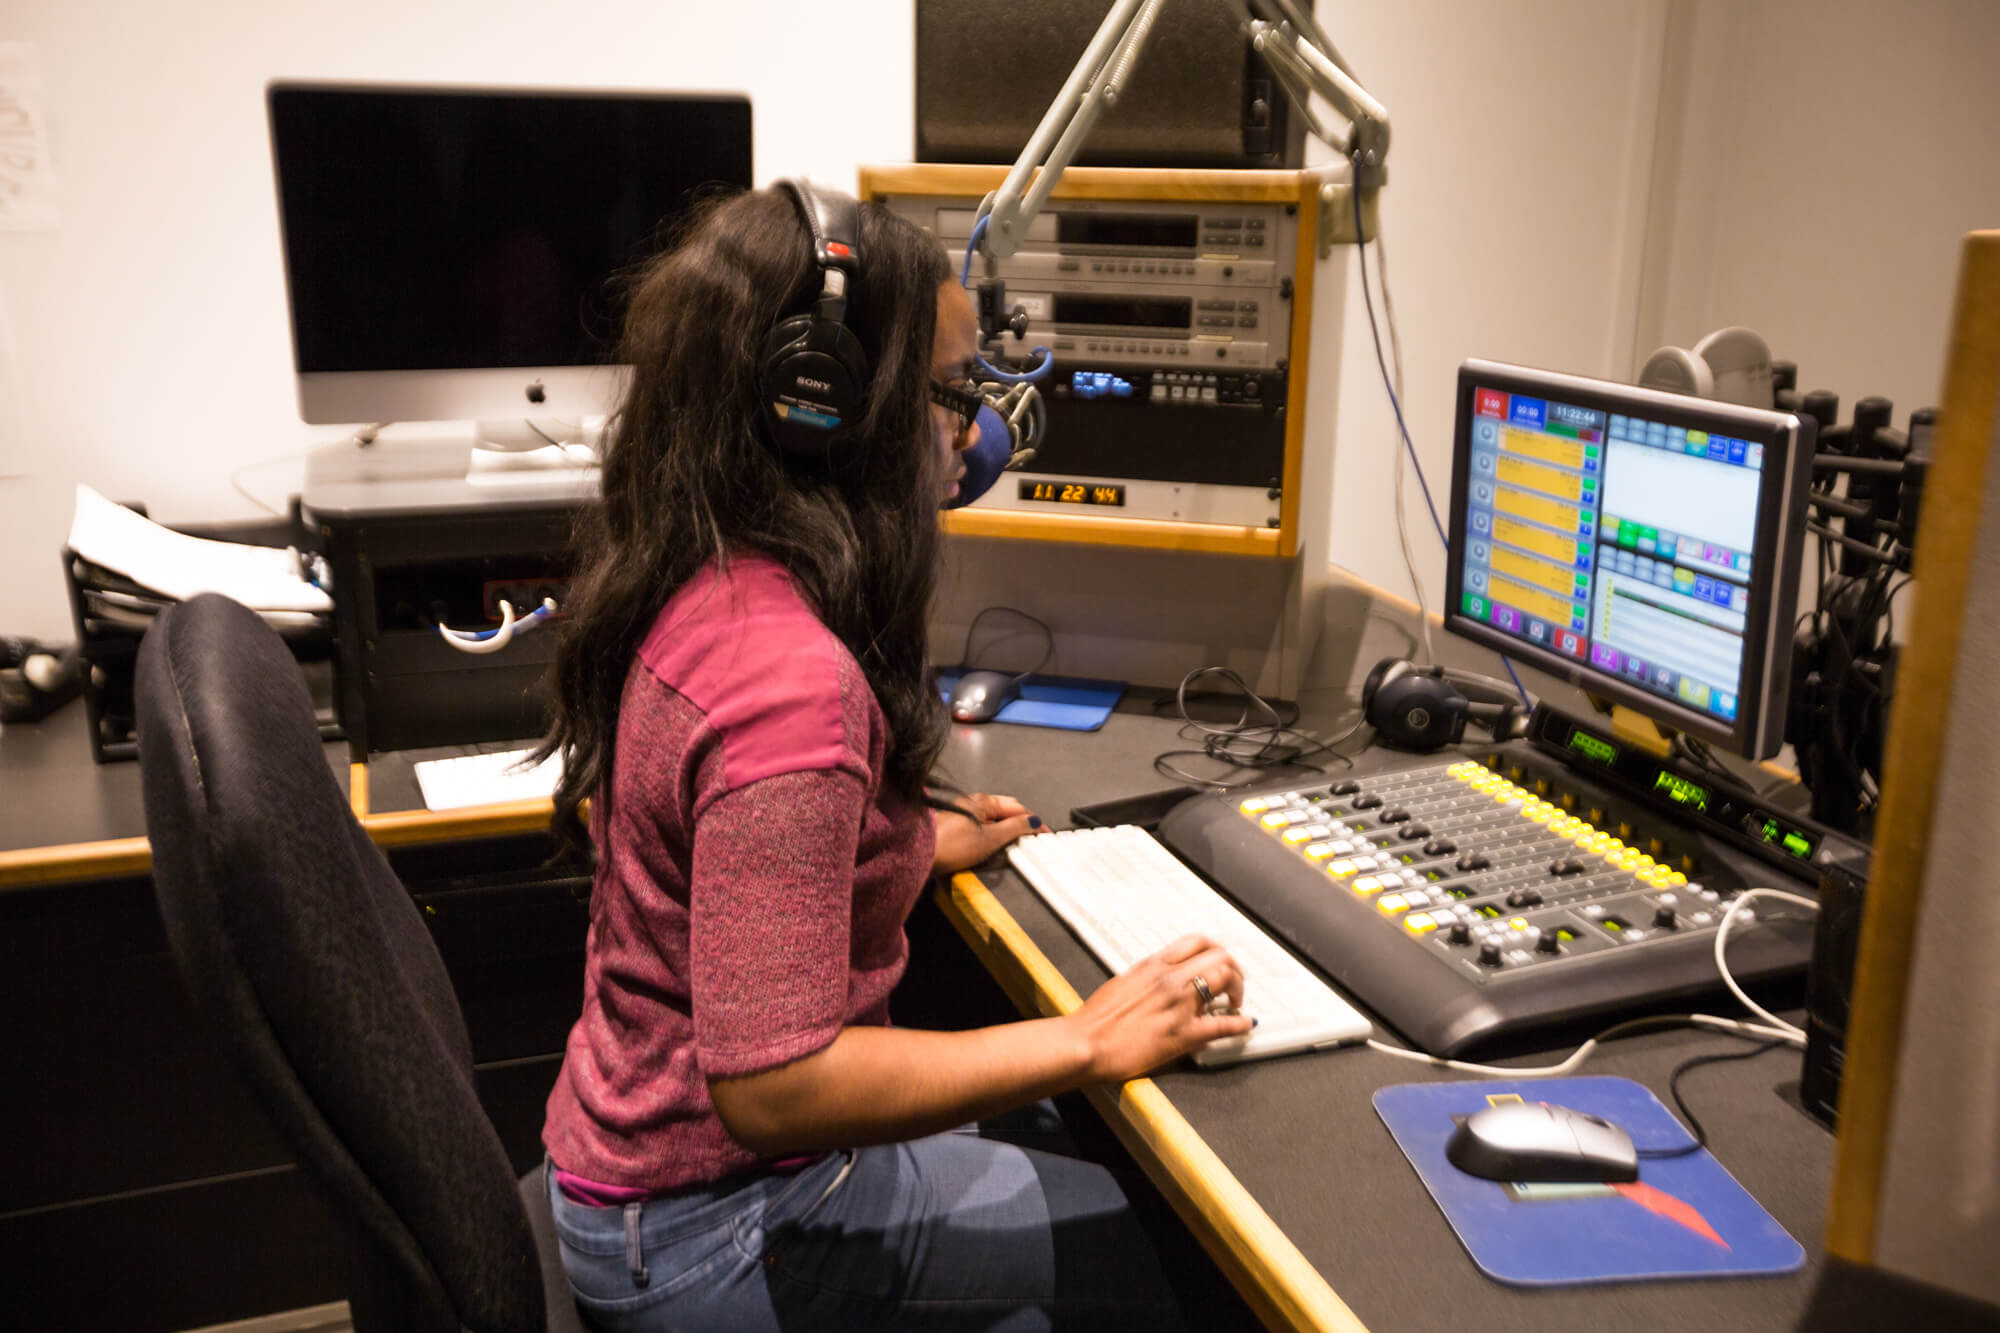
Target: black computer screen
443, 229
1630, 539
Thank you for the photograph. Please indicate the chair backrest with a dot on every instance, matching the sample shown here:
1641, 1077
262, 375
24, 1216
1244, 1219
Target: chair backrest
308, 956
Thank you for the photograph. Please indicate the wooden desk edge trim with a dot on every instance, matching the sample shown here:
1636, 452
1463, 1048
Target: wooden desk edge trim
117, 857
1287, 1283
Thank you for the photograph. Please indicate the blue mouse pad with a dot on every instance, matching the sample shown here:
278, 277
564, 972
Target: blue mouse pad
1067, 703
1683, 1217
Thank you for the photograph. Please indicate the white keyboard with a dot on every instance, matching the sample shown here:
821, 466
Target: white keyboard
485, 779
1127, 897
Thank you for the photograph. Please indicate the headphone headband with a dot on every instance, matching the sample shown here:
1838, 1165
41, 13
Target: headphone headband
815, 374
833, 222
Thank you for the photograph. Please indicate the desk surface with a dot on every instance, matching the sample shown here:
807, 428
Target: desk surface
1297, 1147
1281, 1165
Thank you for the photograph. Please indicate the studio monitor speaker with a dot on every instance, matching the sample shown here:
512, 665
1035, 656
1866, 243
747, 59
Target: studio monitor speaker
1199, 97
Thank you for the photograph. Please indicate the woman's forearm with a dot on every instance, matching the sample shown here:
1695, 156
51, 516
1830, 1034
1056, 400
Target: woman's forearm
884, 1084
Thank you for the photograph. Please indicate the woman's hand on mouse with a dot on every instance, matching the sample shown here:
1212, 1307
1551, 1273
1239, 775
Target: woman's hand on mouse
1153, 1012
963, 843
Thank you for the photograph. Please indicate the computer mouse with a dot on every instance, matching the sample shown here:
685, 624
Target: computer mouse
980, 695
1533, 1141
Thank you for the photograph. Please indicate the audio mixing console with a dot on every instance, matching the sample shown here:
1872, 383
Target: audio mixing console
1463, 899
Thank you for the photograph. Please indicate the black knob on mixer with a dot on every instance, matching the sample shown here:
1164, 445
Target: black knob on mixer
1346, 787
1366, 802
1548, 941
1665, 918
1474, 861
1440, 847
1489, 954
1460, 933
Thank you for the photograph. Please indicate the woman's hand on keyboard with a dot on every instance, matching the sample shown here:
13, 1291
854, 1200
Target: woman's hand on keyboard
1152, 1012
963, 843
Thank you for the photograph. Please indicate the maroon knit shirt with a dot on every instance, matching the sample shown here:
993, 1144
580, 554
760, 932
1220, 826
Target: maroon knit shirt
753, 878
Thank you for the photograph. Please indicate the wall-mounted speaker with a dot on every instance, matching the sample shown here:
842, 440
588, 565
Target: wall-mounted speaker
1199, 96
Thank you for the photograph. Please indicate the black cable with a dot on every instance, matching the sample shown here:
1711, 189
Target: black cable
1048, 639
1889, 610
1674, 1090
1396, 404
1245, 744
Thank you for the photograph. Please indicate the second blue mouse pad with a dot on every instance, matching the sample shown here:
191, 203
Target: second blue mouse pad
1683, 1217
1067, 703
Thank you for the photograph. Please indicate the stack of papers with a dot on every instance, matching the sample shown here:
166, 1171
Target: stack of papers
175, 566
485, 779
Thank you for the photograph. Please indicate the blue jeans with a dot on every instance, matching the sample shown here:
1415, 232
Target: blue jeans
954, 1231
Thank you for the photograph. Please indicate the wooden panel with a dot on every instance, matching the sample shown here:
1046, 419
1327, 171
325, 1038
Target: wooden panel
1238, 187
1267, 1269
1919, 727
398, 828
1147, 533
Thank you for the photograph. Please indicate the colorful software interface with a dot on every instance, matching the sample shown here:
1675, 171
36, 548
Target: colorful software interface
1622, 542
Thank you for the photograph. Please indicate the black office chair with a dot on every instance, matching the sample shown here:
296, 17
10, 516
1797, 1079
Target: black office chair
299, 943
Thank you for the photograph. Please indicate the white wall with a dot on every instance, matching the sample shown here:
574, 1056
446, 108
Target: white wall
1520, 157
152, 357
150, 352
1829, 158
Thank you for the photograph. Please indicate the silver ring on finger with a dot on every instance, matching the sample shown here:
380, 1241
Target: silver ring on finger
1202, 992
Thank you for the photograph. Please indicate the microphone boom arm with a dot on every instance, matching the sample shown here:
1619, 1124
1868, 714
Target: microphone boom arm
1289, 39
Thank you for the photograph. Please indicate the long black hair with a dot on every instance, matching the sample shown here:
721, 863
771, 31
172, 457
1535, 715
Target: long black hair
690, 477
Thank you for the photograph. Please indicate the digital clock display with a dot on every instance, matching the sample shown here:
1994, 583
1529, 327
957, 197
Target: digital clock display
1680, 791
1593, 748
1791, 840
1073, 492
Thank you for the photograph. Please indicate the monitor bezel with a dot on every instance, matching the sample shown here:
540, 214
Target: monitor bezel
1787, 438
459, 393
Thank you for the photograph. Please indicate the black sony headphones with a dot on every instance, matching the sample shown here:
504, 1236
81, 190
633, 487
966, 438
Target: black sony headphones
813, 378
1426, 708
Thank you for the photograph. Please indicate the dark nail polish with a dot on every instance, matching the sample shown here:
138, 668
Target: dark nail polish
1253, 1022
1034, 821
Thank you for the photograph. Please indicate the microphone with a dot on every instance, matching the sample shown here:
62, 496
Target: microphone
1010, 426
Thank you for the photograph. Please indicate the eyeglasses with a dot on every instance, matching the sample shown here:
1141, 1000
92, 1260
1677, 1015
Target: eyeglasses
961, 398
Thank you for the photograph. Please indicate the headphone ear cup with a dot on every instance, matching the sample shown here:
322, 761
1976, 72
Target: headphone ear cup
1384, 671
812, 383
1417, 711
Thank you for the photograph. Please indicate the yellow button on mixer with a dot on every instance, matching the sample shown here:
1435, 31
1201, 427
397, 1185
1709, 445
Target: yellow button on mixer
1341, 869
1420, 922
1367, 884
1392, 903
1298, 834
1319, 851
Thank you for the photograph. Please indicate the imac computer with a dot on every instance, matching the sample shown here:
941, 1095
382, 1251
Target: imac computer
1642, 545
455, 254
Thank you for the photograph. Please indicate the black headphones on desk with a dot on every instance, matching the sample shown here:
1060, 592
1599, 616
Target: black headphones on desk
1426, 708
813, 378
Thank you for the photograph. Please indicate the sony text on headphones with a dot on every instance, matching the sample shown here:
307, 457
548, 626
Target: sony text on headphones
813, 378
1425, 708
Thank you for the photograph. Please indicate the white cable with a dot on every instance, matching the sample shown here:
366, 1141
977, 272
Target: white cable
493, 640
1402, 459
1773, 1028
1722, 937
1582, 1053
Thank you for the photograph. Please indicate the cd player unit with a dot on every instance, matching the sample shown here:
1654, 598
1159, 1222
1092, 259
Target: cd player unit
1171, 322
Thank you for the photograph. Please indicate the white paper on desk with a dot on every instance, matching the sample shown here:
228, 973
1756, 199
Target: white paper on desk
263, 578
